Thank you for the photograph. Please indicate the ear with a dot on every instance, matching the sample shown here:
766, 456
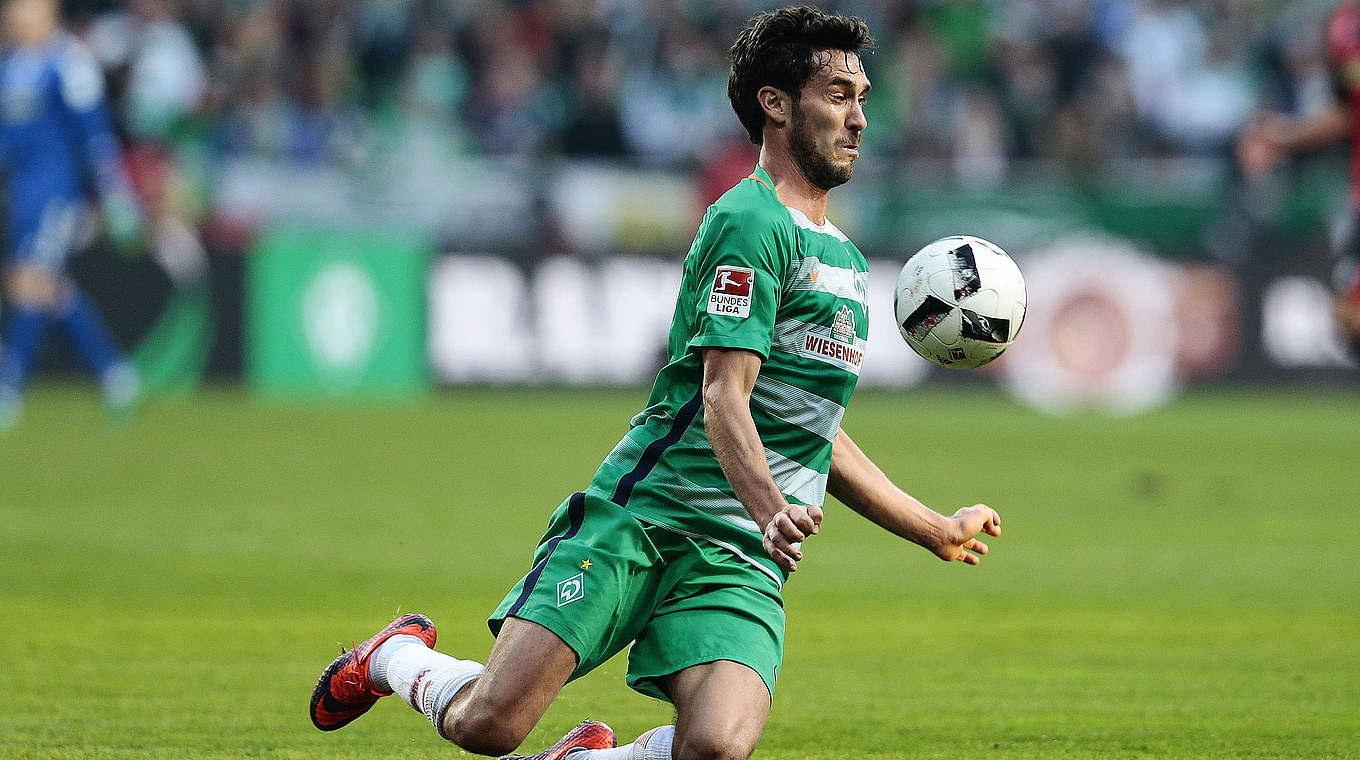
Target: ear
776, 105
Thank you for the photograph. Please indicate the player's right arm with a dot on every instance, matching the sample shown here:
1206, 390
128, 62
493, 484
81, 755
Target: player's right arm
744, 249
729, 376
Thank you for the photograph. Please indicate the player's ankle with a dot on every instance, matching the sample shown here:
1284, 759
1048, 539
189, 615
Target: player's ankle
651, 745
378, 661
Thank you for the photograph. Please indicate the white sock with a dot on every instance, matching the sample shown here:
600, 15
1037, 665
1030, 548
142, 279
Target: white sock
377, 662
652, 745
424, 679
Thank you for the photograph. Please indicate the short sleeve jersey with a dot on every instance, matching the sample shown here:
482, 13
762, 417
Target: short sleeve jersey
762, 277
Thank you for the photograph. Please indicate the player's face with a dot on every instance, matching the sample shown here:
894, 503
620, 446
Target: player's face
828, 118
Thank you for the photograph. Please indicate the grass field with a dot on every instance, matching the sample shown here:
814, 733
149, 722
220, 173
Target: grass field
1180, 585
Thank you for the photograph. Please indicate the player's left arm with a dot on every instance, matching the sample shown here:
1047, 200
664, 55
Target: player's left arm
863, 487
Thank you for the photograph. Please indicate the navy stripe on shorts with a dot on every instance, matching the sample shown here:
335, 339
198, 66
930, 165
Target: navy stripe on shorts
576, 513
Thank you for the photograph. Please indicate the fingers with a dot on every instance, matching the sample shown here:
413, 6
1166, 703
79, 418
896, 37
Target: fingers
971, 545
786, 530
972, 559
992, 525
979, 518
970, 522
782, 557
802, 519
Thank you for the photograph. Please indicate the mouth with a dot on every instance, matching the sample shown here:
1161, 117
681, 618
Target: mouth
853, 150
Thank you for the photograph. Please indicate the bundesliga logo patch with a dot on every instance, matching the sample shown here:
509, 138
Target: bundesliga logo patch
730, 295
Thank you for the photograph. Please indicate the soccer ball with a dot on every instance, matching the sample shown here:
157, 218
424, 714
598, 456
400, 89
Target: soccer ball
960, 301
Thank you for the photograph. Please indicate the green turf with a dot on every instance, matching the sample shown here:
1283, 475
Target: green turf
1180, 585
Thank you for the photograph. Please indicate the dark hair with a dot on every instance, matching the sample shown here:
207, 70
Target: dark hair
777, 48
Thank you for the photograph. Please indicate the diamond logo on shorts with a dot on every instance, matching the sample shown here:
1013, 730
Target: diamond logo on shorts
571, 589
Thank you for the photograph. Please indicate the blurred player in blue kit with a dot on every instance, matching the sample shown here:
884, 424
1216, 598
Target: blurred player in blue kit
56, 141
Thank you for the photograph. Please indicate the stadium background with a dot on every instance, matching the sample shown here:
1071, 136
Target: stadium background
443, 202
517, 156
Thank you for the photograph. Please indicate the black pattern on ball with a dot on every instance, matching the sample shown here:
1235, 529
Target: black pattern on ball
967, 281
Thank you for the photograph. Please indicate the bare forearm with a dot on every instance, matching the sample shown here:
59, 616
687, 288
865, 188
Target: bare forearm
863, 487
740, 452
729, 376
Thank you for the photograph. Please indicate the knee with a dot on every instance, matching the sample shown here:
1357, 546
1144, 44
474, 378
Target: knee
714, 746
485, 729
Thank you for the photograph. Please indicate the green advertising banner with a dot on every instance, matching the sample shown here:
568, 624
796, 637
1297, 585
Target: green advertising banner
336, 313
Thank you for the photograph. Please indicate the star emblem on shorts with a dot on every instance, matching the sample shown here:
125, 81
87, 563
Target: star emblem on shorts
585, 564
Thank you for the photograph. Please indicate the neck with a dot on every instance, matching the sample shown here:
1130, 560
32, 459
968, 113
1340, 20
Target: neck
791, 186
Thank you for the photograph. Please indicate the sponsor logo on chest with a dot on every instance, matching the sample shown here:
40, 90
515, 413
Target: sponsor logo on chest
833, 349
843, 329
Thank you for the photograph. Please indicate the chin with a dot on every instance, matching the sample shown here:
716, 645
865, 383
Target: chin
841, 177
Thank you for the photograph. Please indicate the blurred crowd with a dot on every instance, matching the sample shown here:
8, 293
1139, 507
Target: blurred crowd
979, 87
977, 82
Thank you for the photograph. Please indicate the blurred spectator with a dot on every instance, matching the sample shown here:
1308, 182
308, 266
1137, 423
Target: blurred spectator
165, 76
976, 88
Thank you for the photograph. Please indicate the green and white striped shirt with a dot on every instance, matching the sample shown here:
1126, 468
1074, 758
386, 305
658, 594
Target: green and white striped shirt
759, 276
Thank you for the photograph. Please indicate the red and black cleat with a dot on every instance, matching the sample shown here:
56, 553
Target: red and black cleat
344, 692
591, 734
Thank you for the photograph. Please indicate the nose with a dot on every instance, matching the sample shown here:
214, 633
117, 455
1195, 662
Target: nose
855, 121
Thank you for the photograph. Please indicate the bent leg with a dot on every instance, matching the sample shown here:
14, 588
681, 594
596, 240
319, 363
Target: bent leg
590, 590
720, 710
584, 599
526, 669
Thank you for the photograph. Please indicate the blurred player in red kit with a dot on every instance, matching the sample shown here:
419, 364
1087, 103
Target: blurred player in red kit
1274, 136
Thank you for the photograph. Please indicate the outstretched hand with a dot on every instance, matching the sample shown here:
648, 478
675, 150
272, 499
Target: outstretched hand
960, 540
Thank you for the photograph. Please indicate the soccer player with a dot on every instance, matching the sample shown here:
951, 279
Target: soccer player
55, 134
1273, 137
682, 541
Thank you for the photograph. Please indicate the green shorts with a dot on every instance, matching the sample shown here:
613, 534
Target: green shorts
601, 580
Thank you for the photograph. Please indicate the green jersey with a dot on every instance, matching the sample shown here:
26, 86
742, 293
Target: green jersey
763, 277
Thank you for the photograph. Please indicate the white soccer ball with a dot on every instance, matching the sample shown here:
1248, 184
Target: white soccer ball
960, 301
